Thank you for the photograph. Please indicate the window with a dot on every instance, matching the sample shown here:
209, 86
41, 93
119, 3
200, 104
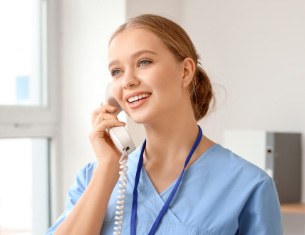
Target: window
24, 185
28, 117
20, 79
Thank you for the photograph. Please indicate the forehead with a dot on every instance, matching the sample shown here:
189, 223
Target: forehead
132, 40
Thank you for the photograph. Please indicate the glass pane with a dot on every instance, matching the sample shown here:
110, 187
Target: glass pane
19, 160
20, 57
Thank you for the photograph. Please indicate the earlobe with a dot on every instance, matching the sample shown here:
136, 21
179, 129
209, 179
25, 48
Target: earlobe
188, 71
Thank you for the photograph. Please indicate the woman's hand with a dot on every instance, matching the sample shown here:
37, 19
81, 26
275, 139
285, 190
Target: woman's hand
103, 118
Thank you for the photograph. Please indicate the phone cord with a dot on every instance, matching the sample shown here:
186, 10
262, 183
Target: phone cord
121, 194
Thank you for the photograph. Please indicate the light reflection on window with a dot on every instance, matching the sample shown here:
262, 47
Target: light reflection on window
15, 186
20, 57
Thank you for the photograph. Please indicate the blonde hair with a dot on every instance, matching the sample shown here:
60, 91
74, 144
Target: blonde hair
181, 46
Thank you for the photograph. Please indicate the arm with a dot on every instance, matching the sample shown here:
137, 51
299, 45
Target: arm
87, 215
261, 214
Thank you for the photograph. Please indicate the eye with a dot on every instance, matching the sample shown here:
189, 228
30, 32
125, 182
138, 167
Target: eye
144, 62
115, 72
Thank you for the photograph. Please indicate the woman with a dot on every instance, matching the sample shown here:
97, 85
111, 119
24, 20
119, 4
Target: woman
159, 83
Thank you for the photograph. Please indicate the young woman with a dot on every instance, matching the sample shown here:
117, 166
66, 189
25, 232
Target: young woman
179, 181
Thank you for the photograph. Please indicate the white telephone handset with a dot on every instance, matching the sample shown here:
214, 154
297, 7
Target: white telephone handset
125, 145
119, 135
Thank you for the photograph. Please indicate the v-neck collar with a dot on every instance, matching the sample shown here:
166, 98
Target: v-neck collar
164, 192
148, 190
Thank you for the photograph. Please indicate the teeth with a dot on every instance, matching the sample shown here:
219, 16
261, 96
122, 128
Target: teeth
137, 97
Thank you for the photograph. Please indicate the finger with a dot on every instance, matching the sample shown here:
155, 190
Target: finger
102, 109
100, 129
107, 108
103, 116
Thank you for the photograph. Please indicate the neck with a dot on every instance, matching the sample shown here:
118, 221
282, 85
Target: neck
167, 146
169, 141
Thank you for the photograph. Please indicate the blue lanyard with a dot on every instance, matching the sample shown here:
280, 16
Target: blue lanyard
171, 196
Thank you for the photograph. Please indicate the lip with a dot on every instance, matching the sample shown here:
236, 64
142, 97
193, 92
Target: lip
135, 94
137, 103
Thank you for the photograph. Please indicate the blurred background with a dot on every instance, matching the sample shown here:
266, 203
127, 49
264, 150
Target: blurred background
53, 56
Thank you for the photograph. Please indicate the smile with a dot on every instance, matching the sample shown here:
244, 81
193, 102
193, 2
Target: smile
136, 98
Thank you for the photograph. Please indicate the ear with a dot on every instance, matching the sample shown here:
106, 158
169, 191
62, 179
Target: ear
188, 71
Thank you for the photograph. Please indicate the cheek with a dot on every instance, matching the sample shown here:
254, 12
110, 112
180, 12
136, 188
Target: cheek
163, 77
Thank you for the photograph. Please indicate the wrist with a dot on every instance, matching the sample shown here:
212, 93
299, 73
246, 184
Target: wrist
108, 167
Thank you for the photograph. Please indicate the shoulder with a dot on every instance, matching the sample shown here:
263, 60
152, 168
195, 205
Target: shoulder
226, 163
82, 178
241, 178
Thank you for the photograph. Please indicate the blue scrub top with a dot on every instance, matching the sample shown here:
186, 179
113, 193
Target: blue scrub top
221, 194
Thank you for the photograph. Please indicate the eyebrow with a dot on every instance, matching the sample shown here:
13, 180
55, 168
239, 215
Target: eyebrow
134, 55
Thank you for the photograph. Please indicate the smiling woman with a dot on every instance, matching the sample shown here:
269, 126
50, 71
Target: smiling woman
179, 181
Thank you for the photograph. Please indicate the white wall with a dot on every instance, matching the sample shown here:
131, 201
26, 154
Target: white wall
85, 30
256, 51
169, 8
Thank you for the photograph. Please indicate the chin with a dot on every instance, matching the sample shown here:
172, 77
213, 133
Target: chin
139, 118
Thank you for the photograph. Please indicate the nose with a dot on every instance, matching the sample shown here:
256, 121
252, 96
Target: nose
130, 79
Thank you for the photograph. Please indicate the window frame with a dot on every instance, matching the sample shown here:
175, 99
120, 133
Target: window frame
32, 121
41, 121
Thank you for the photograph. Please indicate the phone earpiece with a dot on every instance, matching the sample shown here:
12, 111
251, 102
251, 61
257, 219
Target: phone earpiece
110, 99
119, 135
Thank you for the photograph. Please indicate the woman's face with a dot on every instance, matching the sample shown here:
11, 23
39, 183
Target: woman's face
147, 79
